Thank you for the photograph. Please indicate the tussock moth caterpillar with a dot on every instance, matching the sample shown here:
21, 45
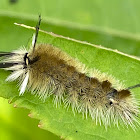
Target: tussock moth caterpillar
46, 70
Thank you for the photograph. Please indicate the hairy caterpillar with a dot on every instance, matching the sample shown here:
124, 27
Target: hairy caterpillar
45, 70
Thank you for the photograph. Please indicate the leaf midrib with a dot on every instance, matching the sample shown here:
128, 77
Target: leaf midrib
74, 25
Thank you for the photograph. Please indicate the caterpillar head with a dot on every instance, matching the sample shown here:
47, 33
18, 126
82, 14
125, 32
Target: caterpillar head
18, 62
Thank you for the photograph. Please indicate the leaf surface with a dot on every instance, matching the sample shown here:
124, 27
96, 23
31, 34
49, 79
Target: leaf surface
62, 121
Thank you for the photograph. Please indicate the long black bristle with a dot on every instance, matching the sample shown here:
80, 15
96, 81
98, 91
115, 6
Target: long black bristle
37, 30
135, 86
8, 65
6, 54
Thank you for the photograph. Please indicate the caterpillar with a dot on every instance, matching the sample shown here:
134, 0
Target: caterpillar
48, 71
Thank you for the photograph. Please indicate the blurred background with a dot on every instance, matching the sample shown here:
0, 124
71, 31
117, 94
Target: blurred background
111, 23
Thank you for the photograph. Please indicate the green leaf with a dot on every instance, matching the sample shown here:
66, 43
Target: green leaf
62, 121
100, 22
15, 124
